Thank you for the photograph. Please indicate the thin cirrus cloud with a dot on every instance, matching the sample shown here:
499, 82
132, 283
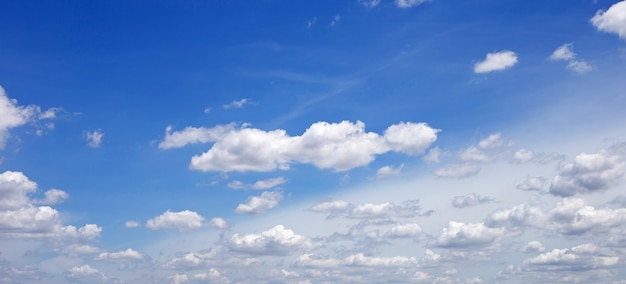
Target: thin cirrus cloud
338, 146
496, 61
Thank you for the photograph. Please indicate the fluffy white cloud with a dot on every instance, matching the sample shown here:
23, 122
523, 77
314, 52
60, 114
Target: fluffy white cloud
579, 66
275, 241
612, 20
359, 259
404, 231
192, 135
389, 171
128, 254
409, 3
515, 217
52, 196
563, 52
94, 138
471, 199
19, 218
330, 206
533, 247
84, 271
237, 104
260, 204
591, 172
406, 209
258, 185
578, 258
219, 223
183, 221
463, 235
572, 216
458, 171
13, 115
496, 61
338, 146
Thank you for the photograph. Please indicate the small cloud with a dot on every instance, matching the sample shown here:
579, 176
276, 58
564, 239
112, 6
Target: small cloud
52, 196
433, 156
563, 52
258, 185
496, 61
310, 23
260, 204
532, 184
183, 221
469, 200
458, 171
128, 254
579, 66
207, 110
533, 247
389, 171
131, 224
219, 223
94, 138
409, 3
237, 104
335, 20
369, 3
612, 20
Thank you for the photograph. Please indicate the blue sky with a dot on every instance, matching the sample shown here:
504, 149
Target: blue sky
364, 141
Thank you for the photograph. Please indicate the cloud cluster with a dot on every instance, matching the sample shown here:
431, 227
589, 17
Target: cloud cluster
183, 221
565, 52
465, 235
275, 241
338, 146
579, 258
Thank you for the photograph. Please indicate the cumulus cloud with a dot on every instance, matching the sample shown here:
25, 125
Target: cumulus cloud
496, 61
258, 185
275, 241
485, 150
471, 199
192, 135
13, 115
84, 271
389, 171
359, 259
183, 221
260, 204
53, 196
463, 235
338, 146
219, 223
409, 3
94, 138
125, 255
590, 173
515, 217
579, 258
565, 52
533, 247
404, 231
406, 209
458, 171
612, 20
572, 216
331, 206
19, 218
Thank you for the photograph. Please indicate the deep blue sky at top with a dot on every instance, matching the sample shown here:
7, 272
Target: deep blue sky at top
131, 68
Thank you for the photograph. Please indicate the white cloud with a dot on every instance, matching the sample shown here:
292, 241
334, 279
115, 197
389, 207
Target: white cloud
523, 155
183, 221
275, 241
485, 150
532, 183
458, 171
579, 66
13, 115
533, 247
258, 185
94, 138
237, 104
591, 172
53, 196
213, 275
463, 235
179, 278
433, 155
191, 135
497, 61
404, 231
409, 3
563, 52
471, 199
612, 20
359, 259
572, 216
131, 224
578, 258
335, 20
369, 3
338, 146
389, 171
406, 209
516, 217
84, 271
219, 223
260, 204
329, 206
128, 254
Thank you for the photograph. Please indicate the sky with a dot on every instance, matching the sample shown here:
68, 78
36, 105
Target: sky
359, 141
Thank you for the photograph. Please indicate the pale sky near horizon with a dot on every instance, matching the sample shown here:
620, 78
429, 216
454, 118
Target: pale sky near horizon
361, 141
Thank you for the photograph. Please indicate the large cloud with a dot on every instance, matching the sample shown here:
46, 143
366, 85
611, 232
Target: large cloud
13, 115
275, 241
612, 20
591, 172
578, 258
572, 216
496, 61
183, 221
338, 146
463, 235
